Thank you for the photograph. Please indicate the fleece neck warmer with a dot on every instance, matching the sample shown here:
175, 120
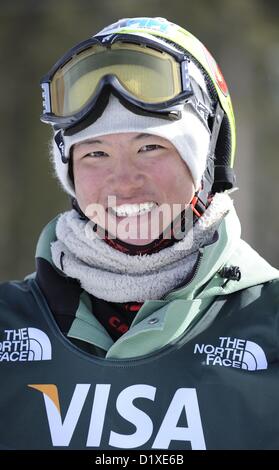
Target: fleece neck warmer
118, 277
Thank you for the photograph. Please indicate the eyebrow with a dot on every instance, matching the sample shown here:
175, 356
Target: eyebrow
142, 136
90, 141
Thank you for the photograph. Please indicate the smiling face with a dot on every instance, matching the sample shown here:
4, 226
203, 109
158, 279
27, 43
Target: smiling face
137, 183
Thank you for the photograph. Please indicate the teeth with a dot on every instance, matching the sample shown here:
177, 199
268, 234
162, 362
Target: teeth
128, 210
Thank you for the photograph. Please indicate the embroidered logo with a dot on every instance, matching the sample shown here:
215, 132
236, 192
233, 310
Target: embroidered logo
25, 344
233, 352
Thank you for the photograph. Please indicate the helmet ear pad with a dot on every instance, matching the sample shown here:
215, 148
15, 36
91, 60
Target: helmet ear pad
224, 177
223, 145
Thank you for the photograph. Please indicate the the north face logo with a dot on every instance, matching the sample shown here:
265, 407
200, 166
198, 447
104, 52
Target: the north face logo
233, 352
25, 344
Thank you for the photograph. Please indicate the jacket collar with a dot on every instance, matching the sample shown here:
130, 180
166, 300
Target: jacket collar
160, 322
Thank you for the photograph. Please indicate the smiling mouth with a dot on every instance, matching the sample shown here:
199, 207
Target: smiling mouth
132, 210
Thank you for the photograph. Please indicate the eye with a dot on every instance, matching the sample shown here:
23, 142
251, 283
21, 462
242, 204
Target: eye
150, 148
96, 154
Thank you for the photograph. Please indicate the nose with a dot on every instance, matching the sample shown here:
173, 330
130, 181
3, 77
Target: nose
127, 176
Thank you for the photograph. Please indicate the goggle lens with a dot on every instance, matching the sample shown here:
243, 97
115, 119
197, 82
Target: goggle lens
148, 75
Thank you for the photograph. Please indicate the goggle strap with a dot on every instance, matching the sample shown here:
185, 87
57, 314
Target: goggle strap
200, 102
61, 145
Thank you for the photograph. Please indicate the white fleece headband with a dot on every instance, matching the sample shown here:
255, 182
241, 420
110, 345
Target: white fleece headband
189, 136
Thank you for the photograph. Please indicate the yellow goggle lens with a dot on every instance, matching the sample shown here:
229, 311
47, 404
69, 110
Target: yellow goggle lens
150, 76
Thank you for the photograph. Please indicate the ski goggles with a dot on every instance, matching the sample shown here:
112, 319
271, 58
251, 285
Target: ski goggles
148, 77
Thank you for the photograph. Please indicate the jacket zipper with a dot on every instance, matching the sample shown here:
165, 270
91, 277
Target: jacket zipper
190, 280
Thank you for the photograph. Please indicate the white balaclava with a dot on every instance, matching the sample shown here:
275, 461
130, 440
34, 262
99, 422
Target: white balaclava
189, 135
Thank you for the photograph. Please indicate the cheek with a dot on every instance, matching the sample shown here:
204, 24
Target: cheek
184, 185
176, 182
88, 185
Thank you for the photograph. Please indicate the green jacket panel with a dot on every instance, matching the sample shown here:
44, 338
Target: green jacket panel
213, 387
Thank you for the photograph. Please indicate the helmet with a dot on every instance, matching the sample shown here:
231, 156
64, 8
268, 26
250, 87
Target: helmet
146, 65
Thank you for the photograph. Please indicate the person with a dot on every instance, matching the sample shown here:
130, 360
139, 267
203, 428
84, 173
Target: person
149, 323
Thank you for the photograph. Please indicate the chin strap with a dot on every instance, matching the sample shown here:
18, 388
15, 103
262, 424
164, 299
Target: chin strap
203, 195
75, 206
